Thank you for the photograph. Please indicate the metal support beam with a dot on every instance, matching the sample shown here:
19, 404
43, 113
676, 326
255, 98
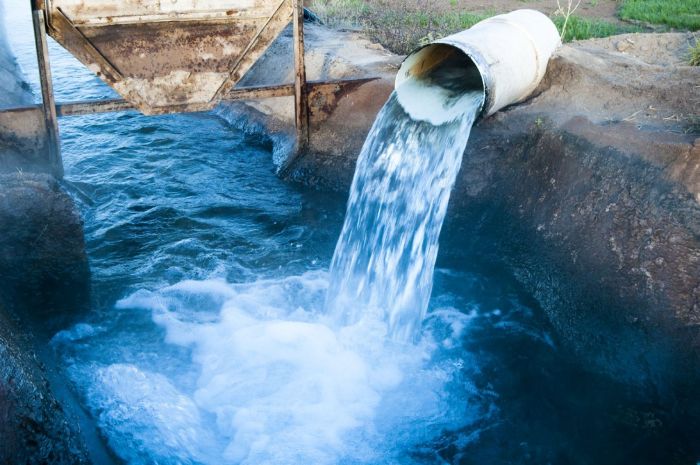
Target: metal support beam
110, 105
244, 93
301, 109
48, 102
87, 107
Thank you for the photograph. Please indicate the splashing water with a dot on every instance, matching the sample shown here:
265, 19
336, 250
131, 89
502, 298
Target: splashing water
273, 377
272, 383
384, 260
315, 368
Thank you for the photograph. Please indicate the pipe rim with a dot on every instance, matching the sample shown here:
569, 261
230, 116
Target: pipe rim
476, 58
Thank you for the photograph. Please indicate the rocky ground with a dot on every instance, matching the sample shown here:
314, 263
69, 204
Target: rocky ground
45, 282
34, 429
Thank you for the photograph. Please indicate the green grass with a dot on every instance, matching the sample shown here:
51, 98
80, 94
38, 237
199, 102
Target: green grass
694, 58
679, 14
401, 26
403, 31
579, 28
341, 12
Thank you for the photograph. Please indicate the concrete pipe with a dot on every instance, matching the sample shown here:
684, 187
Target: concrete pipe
505, 57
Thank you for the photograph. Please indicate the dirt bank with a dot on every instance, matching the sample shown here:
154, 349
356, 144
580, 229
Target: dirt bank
33, 426
45, 280
589, 191
45, 271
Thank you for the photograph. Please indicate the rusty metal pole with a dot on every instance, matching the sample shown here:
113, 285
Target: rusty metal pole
47, 97
301, 108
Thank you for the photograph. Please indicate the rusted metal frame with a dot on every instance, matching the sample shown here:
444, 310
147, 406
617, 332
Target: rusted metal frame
161, 18
244, 93
47, 97
111, 105
167, 16
244, 63
107, 69
87, 108
301, 104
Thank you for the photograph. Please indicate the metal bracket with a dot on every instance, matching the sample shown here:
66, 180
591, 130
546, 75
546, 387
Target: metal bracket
301, 108
47, 98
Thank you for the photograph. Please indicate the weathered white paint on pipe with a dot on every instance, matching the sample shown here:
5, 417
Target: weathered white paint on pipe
510, 52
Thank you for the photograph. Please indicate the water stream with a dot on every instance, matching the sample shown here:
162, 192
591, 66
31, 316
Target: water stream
384, 260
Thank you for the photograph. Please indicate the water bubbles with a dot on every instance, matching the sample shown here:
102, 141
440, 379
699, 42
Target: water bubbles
276, 381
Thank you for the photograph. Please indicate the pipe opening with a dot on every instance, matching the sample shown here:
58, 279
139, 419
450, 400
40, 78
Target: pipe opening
433, 81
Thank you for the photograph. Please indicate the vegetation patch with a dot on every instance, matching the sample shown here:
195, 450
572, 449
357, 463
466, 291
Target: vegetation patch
403, 25
679, 14
694, 58
578, 28
402, 31
399, 25
341, 13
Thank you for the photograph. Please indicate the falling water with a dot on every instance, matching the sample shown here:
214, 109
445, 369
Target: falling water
384, 260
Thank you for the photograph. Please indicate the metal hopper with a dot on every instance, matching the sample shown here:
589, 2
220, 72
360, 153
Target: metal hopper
169, 56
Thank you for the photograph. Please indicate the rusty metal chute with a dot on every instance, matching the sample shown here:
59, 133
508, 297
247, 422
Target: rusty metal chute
171, 56
168, 56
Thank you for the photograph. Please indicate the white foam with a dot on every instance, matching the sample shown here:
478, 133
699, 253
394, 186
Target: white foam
431, 103
147, 419
277, 383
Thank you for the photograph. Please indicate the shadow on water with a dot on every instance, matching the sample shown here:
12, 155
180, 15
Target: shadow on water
553, 406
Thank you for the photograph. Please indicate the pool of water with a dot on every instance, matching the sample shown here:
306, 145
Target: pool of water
207, 340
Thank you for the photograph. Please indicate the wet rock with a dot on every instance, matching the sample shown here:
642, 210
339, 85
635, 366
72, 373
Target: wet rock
43, 262
34, 429
44, 286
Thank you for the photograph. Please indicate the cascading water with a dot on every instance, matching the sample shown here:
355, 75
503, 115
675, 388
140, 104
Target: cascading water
384, 260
